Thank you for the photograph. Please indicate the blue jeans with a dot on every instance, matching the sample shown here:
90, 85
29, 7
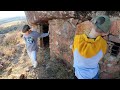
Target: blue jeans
33, 56
97, 76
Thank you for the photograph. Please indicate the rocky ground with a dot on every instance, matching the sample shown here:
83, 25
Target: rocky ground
15, 63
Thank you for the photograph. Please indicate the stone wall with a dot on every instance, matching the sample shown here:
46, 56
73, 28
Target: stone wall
44, 16
62, 34
110, 64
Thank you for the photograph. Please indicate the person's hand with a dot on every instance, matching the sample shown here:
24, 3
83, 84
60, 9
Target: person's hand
21, 35
105, 34
70, 46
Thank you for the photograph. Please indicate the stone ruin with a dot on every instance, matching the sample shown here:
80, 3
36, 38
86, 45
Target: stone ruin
62, 26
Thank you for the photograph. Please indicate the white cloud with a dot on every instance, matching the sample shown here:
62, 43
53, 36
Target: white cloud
7, 14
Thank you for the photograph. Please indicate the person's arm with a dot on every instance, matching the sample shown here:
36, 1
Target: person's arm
23, 38
71, 46
42, 35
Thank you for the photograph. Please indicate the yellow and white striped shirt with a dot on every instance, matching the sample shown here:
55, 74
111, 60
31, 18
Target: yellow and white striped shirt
87, 53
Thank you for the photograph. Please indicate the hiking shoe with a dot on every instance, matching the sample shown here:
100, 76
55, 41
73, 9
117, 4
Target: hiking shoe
35, 64
28, 68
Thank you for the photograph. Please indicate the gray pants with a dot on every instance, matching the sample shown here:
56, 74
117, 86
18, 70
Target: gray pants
33, 56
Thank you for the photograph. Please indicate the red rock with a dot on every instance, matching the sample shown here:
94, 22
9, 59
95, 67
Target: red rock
106, 38
84, 27
103, 67
23, 76
44, 16
114, 38
114, 62
115, 27
62, 33
2, 54
9, 71
118, 55
118, 62
113, 69
105, 75
109, 65
1, 66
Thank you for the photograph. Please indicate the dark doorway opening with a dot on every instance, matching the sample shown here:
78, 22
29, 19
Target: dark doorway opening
46, 39
115, 49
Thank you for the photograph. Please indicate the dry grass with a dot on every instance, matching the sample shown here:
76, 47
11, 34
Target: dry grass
14, 49
9, 51
10, 40
10, 24
13, 38
8, 47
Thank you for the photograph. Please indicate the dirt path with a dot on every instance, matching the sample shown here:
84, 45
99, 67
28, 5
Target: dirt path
51, 69
47, 69
15, 61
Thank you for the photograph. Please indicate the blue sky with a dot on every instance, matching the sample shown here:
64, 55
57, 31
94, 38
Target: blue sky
7, 14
